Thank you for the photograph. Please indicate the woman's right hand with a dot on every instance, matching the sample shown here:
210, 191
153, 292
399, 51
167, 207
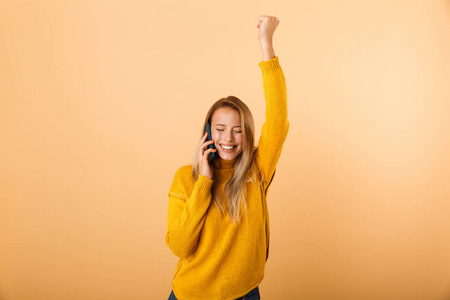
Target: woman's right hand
203, 164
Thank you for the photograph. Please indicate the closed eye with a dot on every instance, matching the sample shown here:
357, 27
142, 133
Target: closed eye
234, 131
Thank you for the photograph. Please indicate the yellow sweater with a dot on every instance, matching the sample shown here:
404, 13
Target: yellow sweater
219, 261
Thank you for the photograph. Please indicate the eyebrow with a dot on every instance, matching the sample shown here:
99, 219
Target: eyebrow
225, 125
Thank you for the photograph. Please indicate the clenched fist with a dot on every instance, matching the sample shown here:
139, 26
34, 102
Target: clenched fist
267, 26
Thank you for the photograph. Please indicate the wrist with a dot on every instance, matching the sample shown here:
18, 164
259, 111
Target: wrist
268, 53
265, 42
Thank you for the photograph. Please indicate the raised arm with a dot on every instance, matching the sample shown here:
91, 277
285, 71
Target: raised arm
276, 125
267, 26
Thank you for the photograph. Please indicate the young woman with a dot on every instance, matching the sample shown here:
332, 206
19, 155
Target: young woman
218, 222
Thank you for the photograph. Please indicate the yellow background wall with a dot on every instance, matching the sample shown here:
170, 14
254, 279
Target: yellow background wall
102, 101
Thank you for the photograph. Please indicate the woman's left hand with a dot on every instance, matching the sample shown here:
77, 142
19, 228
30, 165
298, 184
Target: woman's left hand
267, 26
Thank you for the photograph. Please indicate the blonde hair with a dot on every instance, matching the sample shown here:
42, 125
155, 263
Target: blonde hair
244, 166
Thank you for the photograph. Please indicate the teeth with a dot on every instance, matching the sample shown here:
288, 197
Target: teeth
226, 147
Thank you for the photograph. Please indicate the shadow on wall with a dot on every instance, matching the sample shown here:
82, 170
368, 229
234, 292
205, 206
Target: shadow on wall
447, 296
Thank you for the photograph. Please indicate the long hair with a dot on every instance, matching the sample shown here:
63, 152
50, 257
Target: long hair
245, 166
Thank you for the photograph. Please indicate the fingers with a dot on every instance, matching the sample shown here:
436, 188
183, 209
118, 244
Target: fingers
202, 141
205, 154
267, 19
209, 151
203, 145
206, 144
203, 138
264, 17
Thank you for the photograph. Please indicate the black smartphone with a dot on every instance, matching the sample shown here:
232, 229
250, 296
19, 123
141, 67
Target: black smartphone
211, 146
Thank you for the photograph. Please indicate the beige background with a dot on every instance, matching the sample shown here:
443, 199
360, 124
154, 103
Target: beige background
102, 101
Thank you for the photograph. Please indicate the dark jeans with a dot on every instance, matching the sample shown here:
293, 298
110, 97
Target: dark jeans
252, 295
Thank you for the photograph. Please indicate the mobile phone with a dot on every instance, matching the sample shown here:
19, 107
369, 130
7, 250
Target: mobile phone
211, 146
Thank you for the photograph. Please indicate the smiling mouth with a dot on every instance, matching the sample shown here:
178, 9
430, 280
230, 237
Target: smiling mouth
228, 149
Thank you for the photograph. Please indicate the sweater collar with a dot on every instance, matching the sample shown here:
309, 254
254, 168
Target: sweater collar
225, 164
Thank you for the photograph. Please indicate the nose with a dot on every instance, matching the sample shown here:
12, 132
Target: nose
228, 137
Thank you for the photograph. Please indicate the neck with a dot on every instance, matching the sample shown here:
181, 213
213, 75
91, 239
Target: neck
225, 164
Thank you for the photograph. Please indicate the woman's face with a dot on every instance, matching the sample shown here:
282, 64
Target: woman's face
226, 132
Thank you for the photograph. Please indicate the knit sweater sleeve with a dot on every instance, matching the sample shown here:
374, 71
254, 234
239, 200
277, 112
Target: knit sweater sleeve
186, 215
276, 125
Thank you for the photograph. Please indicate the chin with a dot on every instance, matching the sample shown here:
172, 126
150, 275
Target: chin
227, 156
